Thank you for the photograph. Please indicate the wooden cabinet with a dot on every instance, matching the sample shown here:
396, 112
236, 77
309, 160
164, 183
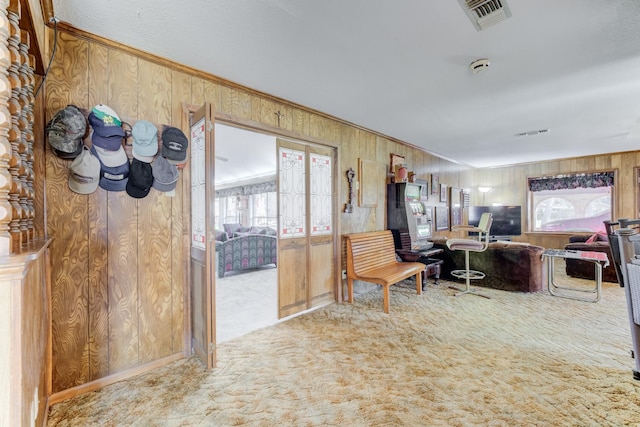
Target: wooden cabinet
25, 336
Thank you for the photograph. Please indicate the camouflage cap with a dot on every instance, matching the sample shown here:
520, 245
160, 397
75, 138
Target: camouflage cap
66, 130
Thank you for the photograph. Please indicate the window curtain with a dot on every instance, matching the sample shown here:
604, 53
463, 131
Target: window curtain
567, 182
247, 190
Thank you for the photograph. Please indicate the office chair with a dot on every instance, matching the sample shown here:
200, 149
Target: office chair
471, 245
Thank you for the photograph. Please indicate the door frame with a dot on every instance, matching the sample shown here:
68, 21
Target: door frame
231, 120
205, 258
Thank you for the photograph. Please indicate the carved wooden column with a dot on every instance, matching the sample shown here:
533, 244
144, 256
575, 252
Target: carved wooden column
5, 126
26, 140
15, 162
31, 87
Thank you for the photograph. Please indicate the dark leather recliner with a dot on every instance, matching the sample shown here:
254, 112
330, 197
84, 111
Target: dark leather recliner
585, 269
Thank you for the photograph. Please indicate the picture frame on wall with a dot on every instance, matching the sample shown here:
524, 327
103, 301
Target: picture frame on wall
442, 218
435, 184
424, 188
443, 193
396, 160
455, 205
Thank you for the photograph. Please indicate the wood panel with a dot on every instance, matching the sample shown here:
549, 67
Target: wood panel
197, 92
122, 230
268, 111
212, 95
154, 229
154, 282
321, 276
123, 84
199, 308
122, 259
181, 89
98, 88
300, 121
292, 280
67, 222
154, 92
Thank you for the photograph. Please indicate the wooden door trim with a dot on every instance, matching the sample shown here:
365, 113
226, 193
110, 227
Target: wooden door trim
252, 125
205, 257
296, 137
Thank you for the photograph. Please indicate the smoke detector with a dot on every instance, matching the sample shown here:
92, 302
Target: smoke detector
479, 65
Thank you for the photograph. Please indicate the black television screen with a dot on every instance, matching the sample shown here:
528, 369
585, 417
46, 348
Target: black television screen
507, 220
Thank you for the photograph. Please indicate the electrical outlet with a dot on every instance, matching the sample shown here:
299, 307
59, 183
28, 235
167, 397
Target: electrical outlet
344, 274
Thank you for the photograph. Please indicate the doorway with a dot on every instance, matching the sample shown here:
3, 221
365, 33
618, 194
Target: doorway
245, 203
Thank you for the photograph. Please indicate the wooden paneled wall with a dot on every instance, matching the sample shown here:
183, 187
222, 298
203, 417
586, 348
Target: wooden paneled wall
117, 292
118, 263
509, 187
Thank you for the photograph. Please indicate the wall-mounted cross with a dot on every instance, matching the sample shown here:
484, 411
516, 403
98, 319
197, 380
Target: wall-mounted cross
280, 115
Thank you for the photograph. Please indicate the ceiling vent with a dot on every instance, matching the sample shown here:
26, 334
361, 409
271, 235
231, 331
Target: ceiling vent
485, 13
533, 132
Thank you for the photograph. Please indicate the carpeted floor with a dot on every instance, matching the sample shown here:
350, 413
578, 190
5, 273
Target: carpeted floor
436, 360
245, 302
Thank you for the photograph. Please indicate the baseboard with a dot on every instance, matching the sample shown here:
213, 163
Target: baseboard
111, 379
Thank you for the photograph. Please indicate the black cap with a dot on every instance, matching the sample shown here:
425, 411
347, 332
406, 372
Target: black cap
140, 179
174, 145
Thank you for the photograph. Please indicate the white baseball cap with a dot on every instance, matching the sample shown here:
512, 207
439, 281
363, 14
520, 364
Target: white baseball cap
84, 173
110, 158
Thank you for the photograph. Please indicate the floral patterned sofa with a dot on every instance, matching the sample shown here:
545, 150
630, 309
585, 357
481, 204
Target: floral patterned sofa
241, 248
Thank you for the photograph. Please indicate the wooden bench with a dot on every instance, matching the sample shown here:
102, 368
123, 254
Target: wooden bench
371, 257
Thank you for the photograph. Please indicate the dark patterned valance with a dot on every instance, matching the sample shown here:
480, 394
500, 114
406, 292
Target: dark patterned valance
567, 182
249, 189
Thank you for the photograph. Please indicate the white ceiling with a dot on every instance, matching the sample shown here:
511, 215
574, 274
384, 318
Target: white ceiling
401, 67
243, 155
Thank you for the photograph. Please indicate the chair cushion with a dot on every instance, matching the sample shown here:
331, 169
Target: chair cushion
465, 245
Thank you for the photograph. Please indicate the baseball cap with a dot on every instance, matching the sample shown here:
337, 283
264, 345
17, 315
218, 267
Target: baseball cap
84, 173
145, 141
165, 175
107, 127
174, 145
140, 179
112, 178
110, 158
65, 132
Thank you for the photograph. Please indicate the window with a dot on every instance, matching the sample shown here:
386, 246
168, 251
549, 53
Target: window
261, 210
571, 203
231, 214
264, 210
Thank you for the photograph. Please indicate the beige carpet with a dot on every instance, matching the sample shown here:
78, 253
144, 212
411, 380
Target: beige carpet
245, 302
436, 360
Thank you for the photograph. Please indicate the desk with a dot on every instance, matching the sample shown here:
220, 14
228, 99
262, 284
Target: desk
599, 259
431, 265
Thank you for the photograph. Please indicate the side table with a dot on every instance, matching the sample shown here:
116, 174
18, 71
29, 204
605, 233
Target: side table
597, 258
431, 265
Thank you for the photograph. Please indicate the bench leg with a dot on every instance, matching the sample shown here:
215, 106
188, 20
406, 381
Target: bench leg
385, 298
350, 290
419, 283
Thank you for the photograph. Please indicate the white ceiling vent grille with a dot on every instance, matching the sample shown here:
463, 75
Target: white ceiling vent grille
533, 132
485, 13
